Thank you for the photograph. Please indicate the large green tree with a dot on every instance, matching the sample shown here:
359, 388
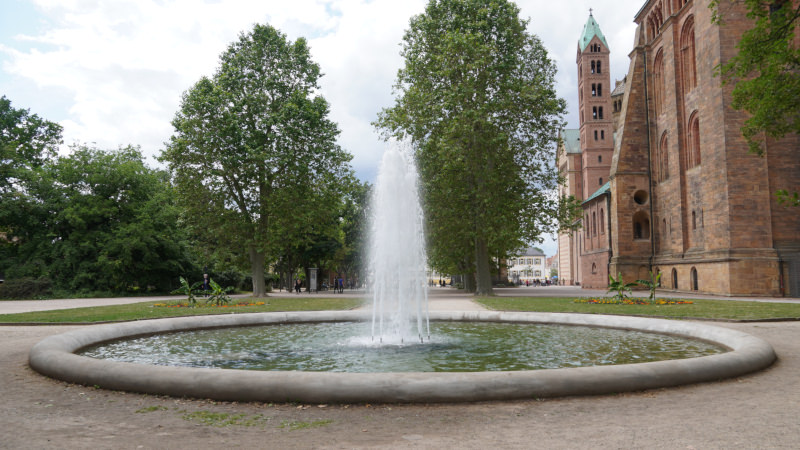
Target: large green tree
95, 221
766, 69
26, 142
477, 97
253, 155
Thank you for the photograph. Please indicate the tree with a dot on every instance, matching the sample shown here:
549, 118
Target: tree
116, 226
26, 142
355, 231
96, 221
766, 73
766, 70
477, 98
253, 155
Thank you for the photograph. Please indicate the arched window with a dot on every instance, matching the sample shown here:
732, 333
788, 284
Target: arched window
694, 221
674, 279
595, 135
658, 78
693, 141
594, 268
688, 65
600, 112
593, 67
602, 222
594, 112
594, 90
588, 227
600, 90
594, 224
641, 226
694, 279
662, 159
598, 67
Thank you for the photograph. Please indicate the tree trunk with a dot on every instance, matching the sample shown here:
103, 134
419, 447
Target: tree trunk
469, 282
257, 272
482, 269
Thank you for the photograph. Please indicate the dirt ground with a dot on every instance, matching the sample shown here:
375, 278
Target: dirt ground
756, 411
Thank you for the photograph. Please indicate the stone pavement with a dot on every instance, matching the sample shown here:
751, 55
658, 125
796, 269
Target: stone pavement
755, 411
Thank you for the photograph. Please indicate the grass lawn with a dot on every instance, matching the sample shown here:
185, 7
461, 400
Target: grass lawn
700, 309
155, 310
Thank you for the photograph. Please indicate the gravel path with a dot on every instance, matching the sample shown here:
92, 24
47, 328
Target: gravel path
757, 411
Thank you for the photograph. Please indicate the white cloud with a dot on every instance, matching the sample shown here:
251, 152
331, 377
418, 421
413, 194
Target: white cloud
120, 67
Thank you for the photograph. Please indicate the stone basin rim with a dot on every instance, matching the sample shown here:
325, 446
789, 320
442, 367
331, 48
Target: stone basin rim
55, 356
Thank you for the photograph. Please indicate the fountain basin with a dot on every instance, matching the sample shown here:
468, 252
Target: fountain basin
55, 357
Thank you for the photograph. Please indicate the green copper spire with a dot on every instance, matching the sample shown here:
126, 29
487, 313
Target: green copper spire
590, 30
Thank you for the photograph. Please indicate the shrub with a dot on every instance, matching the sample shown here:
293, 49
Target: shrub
25, 288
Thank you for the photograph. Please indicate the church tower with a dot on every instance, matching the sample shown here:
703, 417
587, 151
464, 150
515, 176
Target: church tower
595, 108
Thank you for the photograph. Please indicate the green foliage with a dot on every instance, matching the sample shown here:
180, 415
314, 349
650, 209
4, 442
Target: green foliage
25, 288
189, 290
621, 289
93, 221
355, 221
651, 284
26, 142
218, 295
766, 73
477, 98
787, 198
766, 70
254, 155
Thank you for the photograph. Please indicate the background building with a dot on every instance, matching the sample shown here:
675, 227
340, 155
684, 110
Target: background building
684, 197
528, 266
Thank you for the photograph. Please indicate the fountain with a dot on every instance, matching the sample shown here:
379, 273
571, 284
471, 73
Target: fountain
400, 295
399, 319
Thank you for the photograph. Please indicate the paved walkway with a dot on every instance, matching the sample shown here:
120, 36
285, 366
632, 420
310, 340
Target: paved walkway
755, 411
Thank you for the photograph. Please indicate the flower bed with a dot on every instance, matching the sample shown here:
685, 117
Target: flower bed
631, 301
183, 305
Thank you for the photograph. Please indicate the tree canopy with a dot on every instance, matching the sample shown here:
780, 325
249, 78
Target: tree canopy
26, 142
766, 72
94, 221
253, 155
477, 98
766, 69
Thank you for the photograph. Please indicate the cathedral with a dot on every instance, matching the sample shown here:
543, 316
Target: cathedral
663, 173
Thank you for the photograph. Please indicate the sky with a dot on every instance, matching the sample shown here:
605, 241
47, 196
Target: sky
112, 72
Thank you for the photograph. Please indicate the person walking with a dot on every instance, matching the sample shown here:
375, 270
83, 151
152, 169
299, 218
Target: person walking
297, 285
